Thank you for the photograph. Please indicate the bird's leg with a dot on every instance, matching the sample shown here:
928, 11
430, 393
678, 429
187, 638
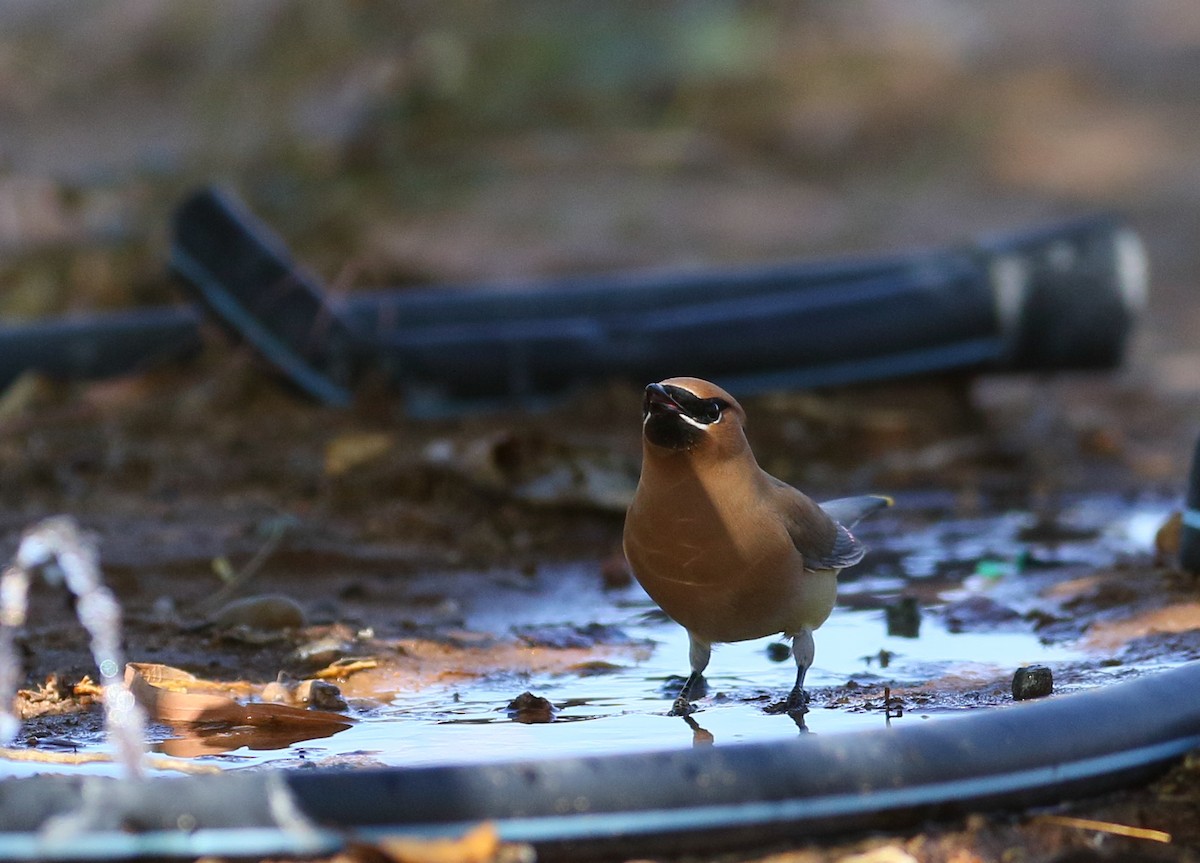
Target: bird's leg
803, 651
682, 706
698, 655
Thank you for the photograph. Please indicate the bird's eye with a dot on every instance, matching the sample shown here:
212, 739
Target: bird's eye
713, 409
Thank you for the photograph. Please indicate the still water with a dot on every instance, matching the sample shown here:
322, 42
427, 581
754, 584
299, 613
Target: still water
623, 707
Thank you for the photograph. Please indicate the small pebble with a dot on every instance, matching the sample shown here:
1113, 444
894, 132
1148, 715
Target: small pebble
1032, 681
320, 695
270, 613
317, 694
529, 709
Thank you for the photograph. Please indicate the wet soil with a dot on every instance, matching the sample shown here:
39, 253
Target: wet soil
426, 557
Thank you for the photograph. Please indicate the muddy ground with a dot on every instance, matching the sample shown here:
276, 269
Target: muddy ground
412, 145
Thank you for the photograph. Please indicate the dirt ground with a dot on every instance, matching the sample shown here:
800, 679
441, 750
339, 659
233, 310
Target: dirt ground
393, 144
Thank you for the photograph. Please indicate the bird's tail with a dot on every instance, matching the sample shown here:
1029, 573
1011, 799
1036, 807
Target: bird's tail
849, 511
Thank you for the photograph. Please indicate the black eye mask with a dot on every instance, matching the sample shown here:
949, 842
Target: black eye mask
672, 415
672, 399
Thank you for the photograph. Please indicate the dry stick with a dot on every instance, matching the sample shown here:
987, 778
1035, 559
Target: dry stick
1106, 827
212, 603
43, 757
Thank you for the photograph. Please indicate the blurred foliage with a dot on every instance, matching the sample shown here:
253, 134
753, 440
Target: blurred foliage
336, 119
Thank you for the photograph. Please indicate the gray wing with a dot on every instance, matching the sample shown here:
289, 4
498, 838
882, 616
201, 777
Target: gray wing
818, 533
851, 510
846, 551
846, 512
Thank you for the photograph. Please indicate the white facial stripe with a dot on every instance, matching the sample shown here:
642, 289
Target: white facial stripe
687, 419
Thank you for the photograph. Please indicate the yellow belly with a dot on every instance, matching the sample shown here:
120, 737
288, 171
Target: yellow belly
738, 606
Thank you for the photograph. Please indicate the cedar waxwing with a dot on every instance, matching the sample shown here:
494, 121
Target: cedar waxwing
725, 549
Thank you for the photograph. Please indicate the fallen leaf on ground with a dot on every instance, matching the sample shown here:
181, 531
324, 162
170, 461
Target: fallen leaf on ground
40, 756
349, 451
1111, 634
479, 845
173, 695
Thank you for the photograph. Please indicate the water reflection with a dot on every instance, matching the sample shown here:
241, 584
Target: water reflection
700, 736
194, 741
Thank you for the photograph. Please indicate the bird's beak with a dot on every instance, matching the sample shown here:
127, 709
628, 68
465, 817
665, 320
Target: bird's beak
658, 398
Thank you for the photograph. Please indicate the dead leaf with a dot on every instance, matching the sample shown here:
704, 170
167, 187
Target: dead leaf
1111, 634
56, 697
87, 687
348, 451
886, 854
173, 695
39, 756
479, 845
343, 668
1105, 827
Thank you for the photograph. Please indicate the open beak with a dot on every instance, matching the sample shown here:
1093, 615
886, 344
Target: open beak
657, 398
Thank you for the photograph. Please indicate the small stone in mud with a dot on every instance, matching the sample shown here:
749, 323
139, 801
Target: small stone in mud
317, 694
777, 651
530, 709
904, 617
1032, 681
320, 695
266, 613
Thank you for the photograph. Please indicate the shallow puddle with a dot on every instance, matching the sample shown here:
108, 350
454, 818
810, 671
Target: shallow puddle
617, 702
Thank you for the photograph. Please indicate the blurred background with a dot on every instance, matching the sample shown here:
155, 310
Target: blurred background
400, 143
395, 142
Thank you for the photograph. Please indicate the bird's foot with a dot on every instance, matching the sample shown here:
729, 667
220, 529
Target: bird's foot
797, 702
681, 707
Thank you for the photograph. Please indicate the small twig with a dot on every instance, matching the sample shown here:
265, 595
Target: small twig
343, 668
893, 708
253, 565
1106, 827
73, 758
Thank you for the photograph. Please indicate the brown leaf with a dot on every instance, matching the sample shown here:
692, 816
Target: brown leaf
352, 450
478, 845
173, 695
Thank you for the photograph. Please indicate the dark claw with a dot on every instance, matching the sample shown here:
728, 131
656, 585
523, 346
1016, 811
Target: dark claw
681, 707
797, 702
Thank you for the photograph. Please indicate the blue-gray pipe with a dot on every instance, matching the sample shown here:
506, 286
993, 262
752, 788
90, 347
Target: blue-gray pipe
1060, 297
1031, 753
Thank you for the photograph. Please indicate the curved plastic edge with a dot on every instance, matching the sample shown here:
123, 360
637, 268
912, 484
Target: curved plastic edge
274, 349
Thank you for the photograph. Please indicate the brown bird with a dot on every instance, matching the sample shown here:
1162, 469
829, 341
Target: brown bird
726, 550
